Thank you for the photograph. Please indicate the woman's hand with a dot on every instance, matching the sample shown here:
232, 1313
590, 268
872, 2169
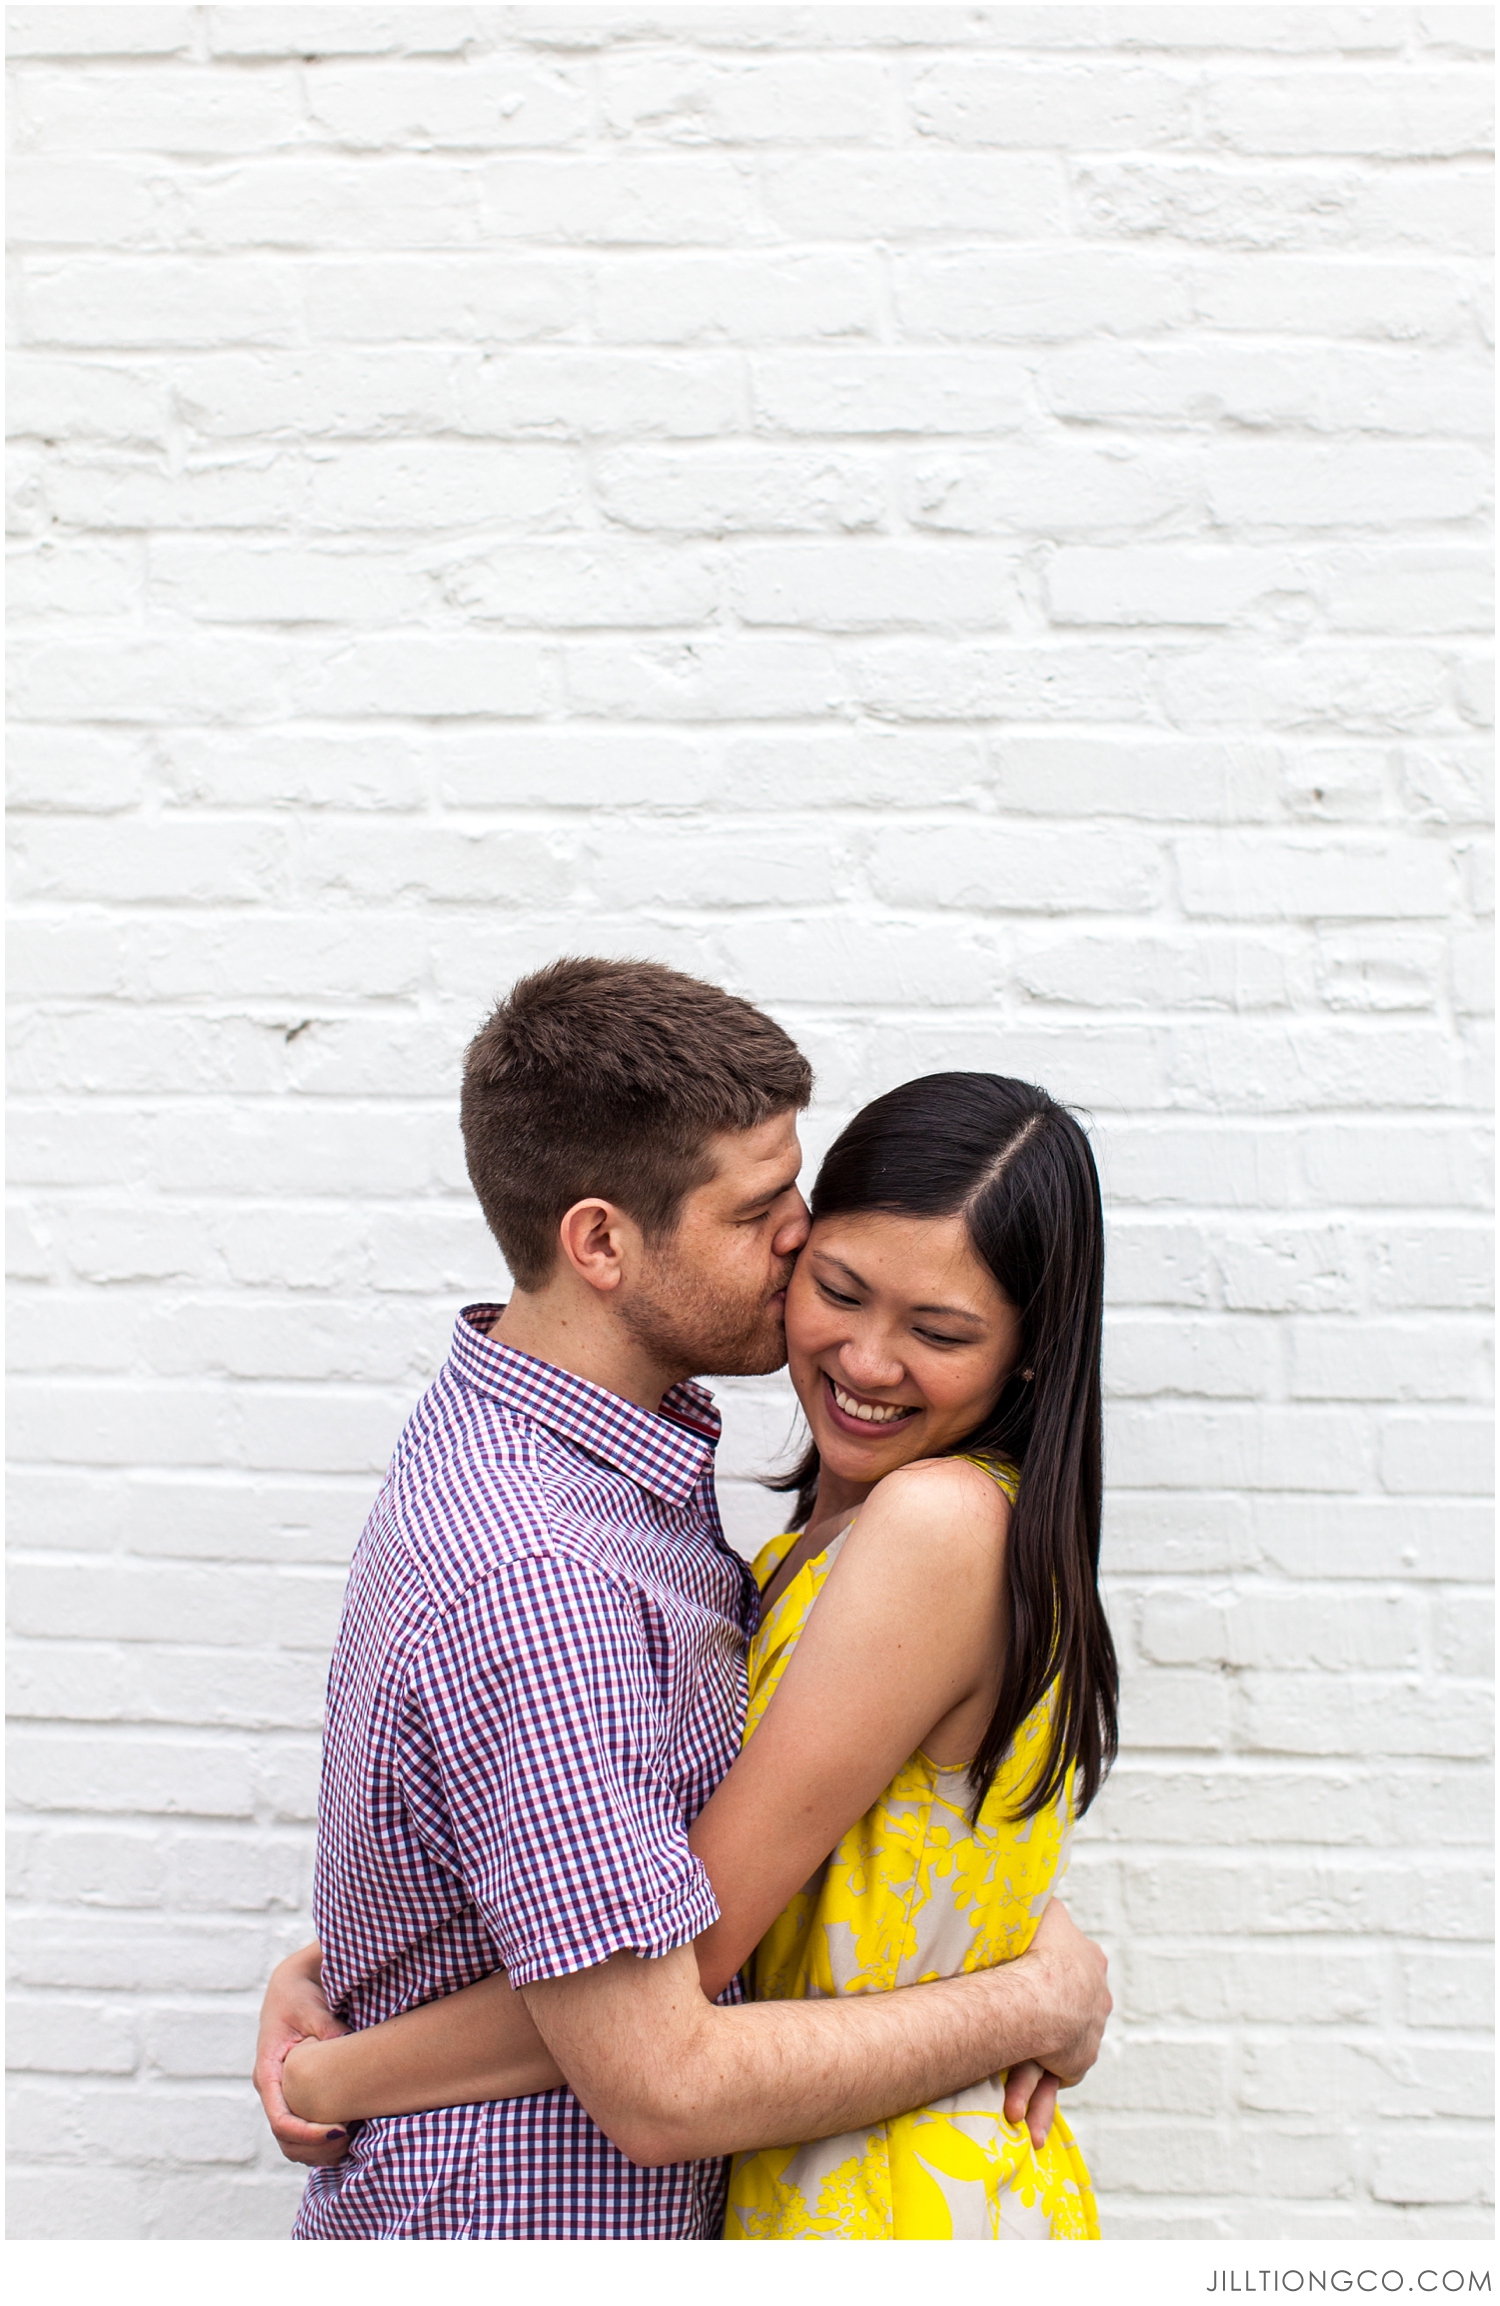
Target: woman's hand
294, 2011
1031, 2097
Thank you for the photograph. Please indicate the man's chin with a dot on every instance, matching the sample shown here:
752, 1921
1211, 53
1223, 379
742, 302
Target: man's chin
758, 1358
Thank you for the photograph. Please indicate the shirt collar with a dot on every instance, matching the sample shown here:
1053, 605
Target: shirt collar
666, 1451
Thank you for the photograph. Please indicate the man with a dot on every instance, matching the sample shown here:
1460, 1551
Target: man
539, 1678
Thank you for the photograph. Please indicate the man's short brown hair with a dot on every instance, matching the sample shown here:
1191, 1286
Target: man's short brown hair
609, 1077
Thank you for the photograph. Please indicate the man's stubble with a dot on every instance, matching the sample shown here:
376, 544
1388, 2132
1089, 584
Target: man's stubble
682, 1317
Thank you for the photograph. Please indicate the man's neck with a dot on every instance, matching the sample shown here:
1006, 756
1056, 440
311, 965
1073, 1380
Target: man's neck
578, 1331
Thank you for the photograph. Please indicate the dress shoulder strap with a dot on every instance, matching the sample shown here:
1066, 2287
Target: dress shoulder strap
1000, 1470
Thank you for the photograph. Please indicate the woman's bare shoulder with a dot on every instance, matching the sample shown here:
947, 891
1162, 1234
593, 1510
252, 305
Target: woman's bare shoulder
947, 1480
938, 1503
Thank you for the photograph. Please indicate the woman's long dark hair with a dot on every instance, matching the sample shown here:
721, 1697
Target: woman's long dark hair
1017, 1167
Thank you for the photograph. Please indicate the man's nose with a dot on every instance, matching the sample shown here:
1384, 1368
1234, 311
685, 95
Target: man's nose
789, 1237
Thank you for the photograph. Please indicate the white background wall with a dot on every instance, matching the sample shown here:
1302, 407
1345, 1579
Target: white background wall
966, 524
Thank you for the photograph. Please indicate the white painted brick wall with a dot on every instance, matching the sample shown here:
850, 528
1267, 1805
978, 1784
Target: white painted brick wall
965, 523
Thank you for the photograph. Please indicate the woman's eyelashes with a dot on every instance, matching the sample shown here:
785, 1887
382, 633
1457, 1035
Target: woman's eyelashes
928, 1336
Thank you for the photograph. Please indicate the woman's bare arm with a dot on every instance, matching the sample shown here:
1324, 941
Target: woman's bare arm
904, 1630
463, 2050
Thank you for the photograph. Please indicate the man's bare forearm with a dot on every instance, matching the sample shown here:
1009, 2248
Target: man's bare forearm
791, 2071
481, 2044
671, 2078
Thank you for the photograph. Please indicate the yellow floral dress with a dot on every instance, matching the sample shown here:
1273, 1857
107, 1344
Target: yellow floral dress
912, 1892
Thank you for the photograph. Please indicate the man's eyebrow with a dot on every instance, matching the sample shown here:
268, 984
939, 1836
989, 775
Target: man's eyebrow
771, 1193
948, 1312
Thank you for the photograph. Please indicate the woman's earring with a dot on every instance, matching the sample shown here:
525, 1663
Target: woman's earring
1027, 1375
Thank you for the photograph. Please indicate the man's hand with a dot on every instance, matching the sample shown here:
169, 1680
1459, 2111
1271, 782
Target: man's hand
1031, 2097
1066, 1972
294, 2011
1073, 1967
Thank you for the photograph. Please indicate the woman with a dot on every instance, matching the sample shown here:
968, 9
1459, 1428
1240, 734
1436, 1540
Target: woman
932, 1687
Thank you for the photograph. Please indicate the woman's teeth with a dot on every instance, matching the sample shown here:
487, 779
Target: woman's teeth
868, 1412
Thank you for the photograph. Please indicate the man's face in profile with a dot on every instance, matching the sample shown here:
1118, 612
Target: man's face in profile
712, 1296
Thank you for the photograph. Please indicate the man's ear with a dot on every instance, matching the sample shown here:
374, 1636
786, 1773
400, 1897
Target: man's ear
593, 1238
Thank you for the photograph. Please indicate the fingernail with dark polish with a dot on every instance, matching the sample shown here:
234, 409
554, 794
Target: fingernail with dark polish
335, 2133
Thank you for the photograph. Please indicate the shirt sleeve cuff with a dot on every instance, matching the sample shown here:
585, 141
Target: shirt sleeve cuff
648, 1928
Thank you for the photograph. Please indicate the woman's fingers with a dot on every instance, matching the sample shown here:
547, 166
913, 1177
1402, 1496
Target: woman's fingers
294, 2002
295, 2010
310, 2142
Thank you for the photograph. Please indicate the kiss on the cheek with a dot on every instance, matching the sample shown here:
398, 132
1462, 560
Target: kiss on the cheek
616, 1828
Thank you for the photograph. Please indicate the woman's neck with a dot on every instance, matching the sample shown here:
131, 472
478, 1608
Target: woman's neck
836, 1498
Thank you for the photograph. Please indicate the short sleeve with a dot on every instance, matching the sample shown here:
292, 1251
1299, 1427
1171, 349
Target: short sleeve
547, 1729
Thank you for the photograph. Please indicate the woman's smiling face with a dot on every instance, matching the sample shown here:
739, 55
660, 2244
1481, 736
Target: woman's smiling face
899, 1340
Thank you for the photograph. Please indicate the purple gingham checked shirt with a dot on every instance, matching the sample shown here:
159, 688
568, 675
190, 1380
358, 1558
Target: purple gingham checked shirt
539, 1680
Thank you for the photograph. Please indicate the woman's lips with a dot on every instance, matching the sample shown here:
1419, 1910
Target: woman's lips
864, 1428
